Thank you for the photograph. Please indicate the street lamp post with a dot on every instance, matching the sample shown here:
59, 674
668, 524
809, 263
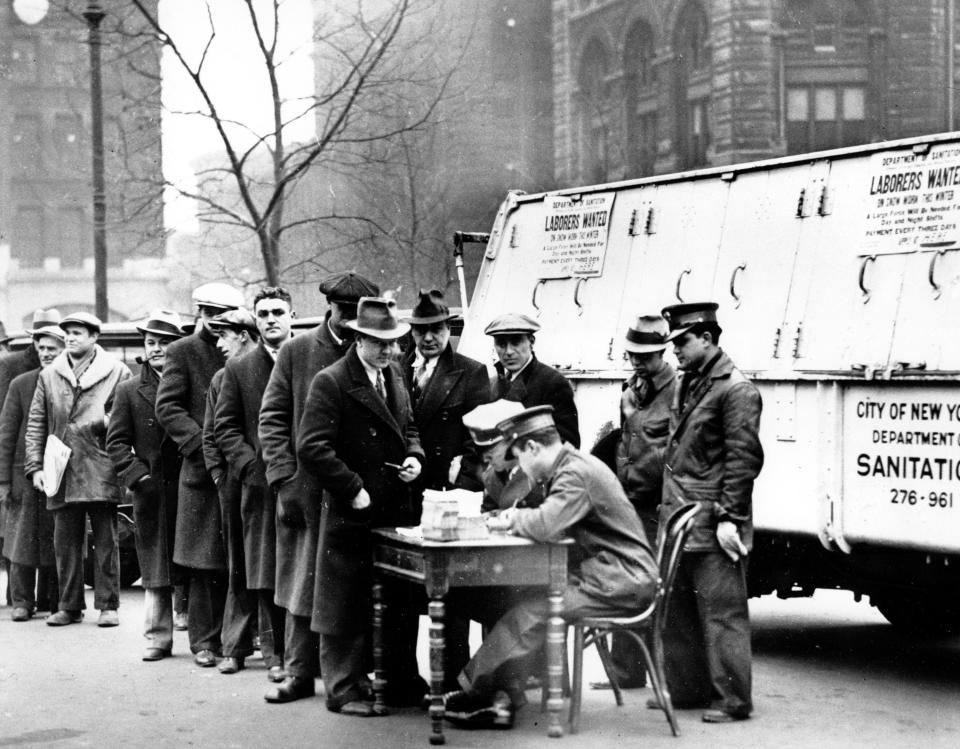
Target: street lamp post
94, 15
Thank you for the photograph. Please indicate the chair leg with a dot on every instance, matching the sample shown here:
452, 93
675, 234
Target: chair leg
576, 686
603, 651
658, 681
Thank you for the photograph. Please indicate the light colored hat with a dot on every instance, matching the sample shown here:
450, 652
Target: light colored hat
91, 322
44, 318
510, 323
482, 421
163, 322
54, 331
377, 317
682, 317
647, 335
235, 319
526, 422
218, 296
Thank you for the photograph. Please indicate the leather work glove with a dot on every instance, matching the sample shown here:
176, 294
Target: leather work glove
729, 539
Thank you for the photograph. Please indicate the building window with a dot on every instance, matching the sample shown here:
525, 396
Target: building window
826, 25
825, 116
692, 48
24, 67
641, 99
25, 144
28, 236
72, 237
594, 113
67, 130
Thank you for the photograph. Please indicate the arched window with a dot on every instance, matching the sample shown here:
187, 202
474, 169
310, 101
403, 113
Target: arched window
692, 49
641, 99
594, 106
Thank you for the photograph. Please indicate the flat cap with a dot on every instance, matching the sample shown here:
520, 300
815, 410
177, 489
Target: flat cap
90, 322
512, 322
347, 287
526, 422
235, 319
218, 295
482, 421
682, 317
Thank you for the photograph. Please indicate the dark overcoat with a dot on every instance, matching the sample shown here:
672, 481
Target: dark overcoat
181, 402
13, 365
139, 447
541, 385
29, 531
236, 424
457, 385
297, 363
346, 435
714, 454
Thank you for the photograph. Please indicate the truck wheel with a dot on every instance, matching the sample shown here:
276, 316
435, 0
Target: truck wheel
926, 614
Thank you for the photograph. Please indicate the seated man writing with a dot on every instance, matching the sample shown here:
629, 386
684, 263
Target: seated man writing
612, 570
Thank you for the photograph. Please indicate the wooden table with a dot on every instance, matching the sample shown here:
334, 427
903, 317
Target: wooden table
440, 565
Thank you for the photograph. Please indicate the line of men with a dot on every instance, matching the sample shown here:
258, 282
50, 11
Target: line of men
258, 483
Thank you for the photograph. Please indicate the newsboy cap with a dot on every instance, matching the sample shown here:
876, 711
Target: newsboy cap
682, 317
526, 422
647, 335
512, 322
429, 309
237, 320
217, 295
90, 322
162, 322
347, 287
482, 421
377, 318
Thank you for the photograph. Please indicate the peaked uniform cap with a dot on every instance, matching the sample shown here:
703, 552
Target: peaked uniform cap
430, 309
682, 317
163, 322
44, 318
90, 322
511, 323
377, 317
235, 319
482, 421
526, 422
647, 335
218, 296
347, 287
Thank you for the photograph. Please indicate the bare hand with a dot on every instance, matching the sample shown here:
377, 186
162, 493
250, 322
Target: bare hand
361, 501
38, 481
409, 470
729, 539
502, 521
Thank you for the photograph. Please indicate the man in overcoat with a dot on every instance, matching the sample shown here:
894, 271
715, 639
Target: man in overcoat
237, 335
29, 539
236, 426
70, 402
713, 456
298, 491
148, 464
14, 365
181, 402
614, 572
359, 440
522, 377
644, 424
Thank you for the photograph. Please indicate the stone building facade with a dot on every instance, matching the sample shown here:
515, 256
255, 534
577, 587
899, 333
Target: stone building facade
647, 87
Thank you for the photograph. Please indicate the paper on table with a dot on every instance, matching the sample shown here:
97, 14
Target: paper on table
55, 457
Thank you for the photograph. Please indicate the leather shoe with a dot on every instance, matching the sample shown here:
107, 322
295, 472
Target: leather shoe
292, 688
471, 710
155, 654
230, 665
722, 716
21, 614
205, 659
357, 709
62, 618
108, 618
180, 622
654, 704
625, 684
276, 674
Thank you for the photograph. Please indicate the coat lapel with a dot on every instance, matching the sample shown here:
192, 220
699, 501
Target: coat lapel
363, 392
441, 383
147, 389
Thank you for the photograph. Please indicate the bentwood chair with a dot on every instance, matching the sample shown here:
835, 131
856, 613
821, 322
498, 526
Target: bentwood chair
646, 627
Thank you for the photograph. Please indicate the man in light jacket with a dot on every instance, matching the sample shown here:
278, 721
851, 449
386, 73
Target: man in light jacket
70, 403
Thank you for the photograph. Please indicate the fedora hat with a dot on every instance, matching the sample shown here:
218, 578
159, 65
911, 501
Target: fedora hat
377, 318
682, 317
44, 318
647, 335
162, 322
430, 309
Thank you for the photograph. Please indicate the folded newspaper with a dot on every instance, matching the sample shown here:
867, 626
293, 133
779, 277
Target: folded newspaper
55, 457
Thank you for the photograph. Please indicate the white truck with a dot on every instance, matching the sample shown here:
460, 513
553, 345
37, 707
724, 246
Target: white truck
838, 279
